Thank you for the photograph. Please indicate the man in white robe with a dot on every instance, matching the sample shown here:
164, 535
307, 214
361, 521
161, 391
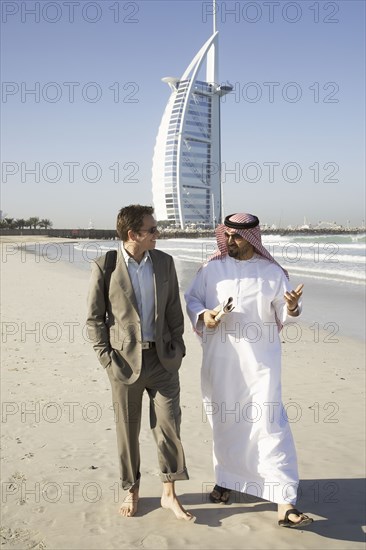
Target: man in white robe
253, 448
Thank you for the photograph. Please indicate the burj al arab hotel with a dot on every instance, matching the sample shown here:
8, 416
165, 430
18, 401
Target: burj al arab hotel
186, 179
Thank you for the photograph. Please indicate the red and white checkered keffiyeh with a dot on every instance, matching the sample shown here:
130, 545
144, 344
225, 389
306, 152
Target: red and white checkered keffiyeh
247, 226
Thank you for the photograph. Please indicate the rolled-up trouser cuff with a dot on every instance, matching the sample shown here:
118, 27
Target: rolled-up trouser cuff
127, 486
177, 476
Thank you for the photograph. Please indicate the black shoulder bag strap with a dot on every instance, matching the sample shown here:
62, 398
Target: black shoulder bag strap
109, 267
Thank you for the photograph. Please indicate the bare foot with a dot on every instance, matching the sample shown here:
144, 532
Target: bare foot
172, 503
129, 505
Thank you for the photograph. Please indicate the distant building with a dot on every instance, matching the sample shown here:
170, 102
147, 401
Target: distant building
186, 176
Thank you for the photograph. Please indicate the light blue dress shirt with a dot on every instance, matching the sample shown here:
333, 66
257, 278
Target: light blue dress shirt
142, 279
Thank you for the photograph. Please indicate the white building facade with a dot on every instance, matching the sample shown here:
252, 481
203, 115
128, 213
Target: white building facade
186, 178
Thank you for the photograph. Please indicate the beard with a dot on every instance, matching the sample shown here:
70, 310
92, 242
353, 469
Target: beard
240, 253
233, 251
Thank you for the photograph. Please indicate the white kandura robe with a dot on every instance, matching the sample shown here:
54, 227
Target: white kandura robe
253, 448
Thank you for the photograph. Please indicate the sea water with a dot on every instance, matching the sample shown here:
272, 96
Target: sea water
332, 268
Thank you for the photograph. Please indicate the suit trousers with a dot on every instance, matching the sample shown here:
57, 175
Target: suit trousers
165, 418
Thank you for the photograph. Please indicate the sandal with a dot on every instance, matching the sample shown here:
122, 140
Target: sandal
220, 495
305, 520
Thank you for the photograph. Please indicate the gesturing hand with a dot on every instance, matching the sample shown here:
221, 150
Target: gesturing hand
292, 298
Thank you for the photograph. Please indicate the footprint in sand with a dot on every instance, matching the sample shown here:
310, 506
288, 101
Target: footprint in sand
28, 455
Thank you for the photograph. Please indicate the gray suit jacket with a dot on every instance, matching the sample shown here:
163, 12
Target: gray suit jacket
117, 341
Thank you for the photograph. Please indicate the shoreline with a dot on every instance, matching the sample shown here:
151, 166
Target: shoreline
330, 304
110, 234
30, 239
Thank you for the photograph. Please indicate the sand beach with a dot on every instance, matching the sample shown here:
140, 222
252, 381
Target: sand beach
60, 487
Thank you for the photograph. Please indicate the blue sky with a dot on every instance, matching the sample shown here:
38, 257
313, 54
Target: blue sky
80, 145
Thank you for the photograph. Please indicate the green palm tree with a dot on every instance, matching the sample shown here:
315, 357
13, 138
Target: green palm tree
45, 223
20, 223
9, 222
33, 222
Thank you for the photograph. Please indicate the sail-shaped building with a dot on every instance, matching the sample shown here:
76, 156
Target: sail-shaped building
186, 179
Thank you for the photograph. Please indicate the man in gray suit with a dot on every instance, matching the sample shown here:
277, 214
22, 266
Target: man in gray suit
135, 322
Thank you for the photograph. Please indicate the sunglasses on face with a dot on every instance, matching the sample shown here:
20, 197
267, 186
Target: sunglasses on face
234, 236
152, 230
